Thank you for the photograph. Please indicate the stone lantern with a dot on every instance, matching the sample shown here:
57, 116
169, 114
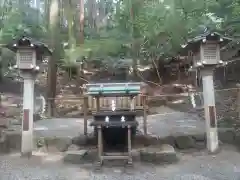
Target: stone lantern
29, 55
206, 56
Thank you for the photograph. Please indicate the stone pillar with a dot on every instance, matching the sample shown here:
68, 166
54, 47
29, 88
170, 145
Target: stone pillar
28, 111
210, 109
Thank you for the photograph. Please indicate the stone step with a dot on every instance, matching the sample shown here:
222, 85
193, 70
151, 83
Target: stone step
10, 140
165, 154
75, 157
159, 155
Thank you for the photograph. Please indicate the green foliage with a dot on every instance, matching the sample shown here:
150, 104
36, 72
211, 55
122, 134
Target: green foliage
21, 21
17, 20
155, 28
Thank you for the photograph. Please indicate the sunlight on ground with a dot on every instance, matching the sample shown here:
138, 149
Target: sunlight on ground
177, 101
44, 157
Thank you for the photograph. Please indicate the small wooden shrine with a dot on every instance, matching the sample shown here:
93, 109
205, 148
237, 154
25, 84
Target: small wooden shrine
115, 128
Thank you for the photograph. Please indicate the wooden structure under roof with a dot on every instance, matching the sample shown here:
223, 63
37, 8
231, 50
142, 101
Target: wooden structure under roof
115, 128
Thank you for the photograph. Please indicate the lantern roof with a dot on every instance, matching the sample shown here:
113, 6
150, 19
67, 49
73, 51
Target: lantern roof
25, 41
194, 43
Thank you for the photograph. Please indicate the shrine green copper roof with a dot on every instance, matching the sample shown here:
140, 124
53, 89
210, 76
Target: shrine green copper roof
108, 89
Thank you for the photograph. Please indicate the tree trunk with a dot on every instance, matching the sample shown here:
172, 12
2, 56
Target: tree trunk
134, 35
91, 5
55, 44
81, 22
81, 40
102, 14
69, 13
47, 12
1, 66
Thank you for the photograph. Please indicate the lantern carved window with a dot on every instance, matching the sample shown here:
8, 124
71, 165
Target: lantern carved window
210, 53
26, 58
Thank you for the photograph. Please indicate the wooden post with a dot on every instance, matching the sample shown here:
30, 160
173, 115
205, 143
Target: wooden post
144, 114
100, 143
85, 113
238, 100
91, 105
132, 103
0, 100
97, 104
129, 146
224, 75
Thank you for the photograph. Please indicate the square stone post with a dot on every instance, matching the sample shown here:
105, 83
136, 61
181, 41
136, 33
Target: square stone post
210, 109
28, 112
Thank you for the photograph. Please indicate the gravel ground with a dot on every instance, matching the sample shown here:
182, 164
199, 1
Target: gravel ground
167, 122
194, 166
200, 166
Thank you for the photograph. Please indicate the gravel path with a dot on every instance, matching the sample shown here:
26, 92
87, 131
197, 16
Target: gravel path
196, 166
170, 122
167, 122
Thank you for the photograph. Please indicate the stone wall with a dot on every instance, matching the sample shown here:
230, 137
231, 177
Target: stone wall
192, 141
11, 141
